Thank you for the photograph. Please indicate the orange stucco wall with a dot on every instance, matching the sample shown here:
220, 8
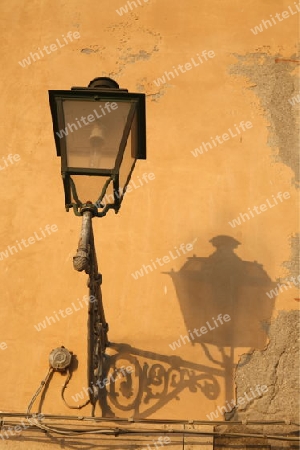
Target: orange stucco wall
189, 199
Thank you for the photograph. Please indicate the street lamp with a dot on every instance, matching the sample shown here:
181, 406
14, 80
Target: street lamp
99, 132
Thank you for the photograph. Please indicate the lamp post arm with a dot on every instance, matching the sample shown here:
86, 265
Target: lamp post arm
86, 259
81, 259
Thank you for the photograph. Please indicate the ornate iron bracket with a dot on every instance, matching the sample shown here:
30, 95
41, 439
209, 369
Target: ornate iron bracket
86, 259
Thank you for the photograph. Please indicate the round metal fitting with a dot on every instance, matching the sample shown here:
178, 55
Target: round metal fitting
60, 358
90, 207
103, 82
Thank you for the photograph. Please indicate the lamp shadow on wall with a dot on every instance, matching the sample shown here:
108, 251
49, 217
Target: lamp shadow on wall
154, 380
209, 290
218, 287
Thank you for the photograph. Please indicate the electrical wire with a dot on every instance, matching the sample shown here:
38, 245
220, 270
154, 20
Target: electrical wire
156, 421
40, 388
122, 431
68, 379
119, 431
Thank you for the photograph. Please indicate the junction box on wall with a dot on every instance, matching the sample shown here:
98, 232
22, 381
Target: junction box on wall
60, 358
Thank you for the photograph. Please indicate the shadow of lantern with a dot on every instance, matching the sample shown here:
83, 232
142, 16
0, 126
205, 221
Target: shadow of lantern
155, 380
221, 284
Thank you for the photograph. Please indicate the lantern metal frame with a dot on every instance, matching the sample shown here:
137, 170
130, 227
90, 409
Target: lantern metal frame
97, 91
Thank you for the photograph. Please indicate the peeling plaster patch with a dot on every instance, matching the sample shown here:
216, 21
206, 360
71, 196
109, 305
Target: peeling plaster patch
156, 97
293, 266
90, 50
151, 91
277, 367
127, 36
133, 57
274, 83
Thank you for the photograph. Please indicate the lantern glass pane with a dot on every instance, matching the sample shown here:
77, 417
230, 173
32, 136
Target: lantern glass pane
89, 188
94, 130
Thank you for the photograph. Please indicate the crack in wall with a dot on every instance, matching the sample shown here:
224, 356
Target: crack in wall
277, 367
275, 389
